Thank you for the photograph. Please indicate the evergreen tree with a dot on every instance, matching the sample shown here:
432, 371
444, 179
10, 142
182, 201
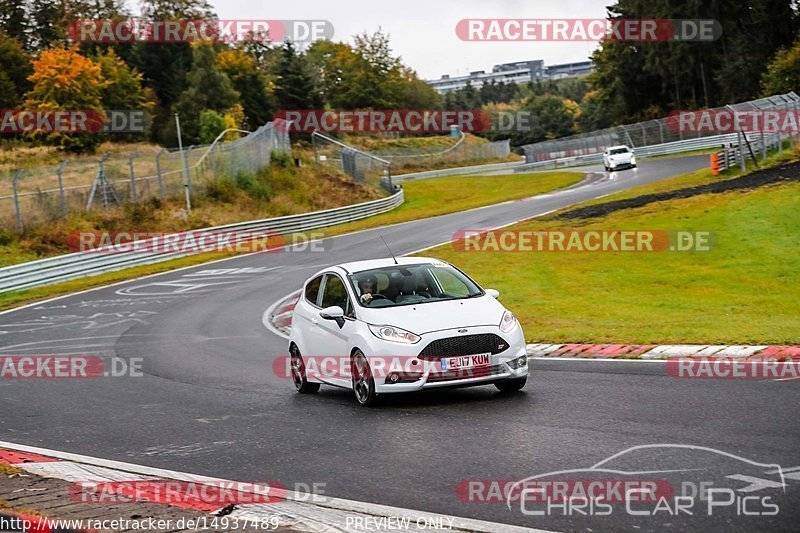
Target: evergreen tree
15, 67
294, 88
208, 88
14, 21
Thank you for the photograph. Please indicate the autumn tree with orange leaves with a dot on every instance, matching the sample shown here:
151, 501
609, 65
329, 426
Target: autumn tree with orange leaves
63, 79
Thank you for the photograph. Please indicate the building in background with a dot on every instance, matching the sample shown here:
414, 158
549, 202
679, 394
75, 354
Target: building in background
567, 70
518, 72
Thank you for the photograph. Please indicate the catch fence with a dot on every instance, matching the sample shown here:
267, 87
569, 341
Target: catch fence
37, 195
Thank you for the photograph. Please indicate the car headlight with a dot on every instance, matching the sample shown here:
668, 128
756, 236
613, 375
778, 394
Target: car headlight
393, 334
508, 322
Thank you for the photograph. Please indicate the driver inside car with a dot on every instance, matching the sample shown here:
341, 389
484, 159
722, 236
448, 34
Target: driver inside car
368, 287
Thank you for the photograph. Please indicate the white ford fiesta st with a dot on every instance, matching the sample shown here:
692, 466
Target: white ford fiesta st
617, 157
400, 325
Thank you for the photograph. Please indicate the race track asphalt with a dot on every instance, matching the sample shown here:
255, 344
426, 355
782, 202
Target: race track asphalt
209, 402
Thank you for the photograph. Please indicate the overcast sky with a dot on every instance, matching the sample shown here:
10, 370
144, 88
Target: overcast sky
423, 31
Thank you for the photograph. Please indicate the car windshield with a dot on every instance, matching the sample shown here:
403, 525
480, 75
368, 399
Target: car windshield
412, 284
615, 151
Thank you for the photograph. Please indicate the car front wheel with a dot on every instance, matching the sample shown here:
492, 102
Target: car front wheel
511, 385
299, 379
363, 382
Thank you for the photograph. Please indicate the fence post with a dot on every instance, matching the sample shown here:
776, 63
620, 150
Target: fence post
61, 194
186, 162
17, 176
158, 173
763, 147
133, 175
739, 136
211, 158
184, 166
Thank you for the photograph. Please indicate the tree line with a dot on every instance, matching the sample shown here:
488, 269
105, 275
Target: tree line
757, 55
211, 85
215, 85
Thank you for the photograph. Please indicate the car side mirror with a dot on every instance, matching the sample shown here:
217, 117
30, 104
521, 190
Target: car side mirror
333, 312
493, 293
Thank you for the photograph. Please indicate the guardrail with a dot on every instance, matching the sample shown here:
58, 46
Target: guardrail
670, 148
751, 146
108, 259
661, 131
650, 138
426, 174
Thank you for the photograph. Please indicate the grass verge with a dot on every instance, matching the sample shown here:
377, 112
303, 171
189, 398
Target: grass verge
746, 290
440, 196
423, 199
698, 177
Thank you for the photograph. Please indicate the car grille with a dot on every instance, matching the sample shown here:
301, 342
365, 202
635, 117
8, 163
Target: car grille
463, 345
466, 373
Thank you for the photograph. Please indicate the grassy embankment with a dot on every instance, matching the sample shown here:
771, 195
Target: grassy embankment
307, 192
746, 290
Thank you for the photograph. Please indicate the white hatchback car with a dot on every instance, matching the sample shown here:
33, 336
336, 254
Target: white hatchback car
387, 326
617, 157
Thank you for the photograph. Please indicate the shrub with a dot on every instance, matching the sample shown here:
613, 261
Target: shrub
252, 186
280, 159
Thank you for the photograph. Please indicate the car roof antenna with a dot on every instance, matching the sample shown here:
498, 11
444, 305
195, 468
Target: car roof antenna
390, 250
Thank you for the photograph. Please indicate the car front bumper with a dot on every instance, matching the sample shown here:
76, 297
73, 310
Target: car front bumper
427, 374
621, 164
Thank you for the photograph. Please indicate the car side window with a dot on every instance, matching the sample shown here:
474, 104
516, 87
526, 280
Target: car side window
312, 290
334, 292
451, 285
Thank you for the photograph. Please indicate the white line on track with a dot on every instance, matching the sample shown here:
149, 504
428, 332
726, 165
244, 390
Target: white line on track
601, 359
266, 315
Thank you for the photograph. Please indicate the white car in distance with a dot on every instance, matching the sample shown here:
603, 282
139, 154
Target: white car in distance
403, 325
617, 157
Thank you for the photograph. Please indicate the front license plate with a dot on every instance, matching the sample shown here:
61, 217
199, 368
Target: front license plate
465, 361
